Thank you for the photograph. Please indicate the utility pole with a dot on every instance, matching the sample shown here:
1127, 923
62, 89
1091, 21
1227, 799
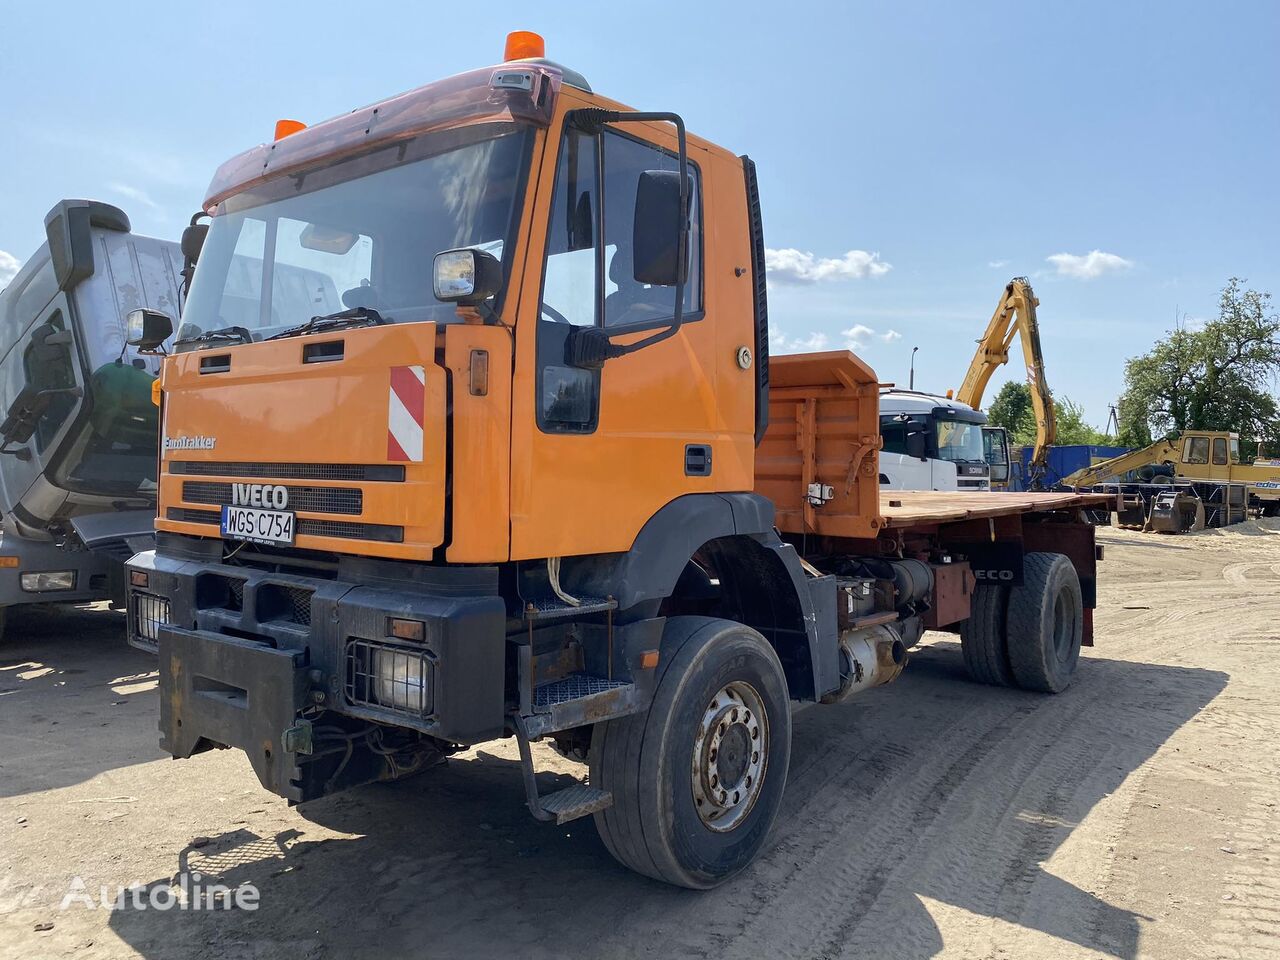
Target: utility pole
911, 381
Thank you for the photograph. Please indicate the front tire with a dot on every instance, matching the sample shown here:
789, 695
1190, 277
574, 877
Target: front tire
698, 780
1045, 623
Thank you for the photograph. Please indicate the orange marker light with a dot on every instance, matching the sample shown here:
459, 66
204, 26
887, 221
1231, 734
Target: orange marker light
524, 45
155, 391
286, 127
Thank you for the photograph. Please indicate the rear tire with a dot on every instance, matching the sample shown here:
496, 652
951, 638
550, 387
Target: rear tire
720, 708
1045, 623
982, 637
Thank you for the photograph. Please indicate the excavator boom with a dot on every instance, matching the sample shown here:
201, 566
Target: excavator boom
1105, 470
1015, 315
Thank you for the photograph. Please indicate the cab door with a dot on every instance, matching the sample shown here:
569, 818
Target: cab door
596, 453
41, 390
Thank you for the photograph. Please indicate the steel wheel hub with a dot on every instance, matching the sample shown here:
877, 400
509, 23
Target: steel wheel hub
730, 755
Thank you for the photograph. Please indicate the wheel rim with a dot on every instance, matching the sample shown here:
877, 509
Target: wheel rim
730, 756
1063, 626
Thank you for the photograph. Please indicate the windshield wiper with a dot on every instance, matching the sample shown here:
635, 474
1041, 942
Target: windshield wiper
222, 333
356, 316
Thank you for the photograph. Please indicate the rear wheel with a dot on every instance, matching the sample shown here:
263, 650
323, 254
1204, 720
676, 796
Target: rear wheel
982, 637
698, 780
1045, 623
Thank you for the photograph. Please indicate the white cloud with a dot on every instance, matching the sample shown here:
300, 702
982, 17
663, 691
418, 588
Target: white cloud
997, 264
855, 338
800, 267
1091, 265
9, 267
134, 193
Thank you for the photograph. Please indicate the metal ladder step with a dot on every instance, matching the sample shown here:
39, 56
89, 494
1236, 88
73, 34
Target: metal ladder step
574, 802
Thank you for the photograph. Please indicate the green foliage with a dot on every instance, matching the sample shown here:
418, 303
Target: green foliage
1212, 378
1012, 409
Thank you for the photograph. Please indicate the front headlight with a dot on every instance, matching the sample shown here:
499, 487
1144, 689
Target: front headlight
48, 581
401, 679
150, 613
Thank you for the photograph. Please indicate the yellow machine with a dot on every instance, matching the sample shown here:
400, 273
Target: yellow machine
470, 431
1015, 315
1195, 455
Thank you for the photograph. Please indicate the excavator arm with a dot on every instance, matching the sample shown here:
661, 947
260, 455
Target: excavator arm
1105, 470
1015, 315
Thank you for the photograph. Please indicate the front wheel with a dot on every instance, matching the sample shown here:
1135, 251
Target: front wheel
698, 780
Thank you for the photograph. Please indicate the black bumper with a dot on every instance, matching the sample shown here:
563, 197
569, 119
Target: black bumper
246, 655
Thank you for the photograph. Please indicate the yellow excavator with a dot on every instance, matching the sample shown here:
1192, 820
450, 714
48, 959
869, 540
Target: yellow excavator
1206, 463
1015, 315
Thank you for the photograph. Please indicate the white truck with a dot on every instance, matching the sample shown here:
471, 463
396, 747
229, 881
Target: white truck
78, 428
931, 443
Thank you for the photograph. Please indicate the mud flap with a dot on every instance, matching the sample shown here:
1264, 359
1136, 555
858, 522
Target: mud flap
217, 690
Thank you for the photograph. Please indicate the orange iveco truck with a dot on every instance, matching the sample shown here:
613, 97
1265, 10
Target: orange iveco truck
470, 431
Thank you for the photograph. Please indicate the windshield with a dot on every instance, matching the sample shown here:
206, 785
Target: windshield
359, 233
958, 440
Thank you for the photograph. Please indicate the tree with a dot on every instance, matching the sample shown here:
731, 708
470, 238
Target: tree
1212, 378
1012, 410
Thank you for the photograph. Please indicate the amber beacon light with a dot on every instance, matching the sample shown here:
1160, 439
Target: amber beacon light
524, 45
286, 127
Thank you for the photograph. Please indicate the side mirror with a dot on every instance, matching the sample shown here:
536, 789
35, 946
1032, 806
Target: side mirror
147, 329
193, 241
660, 240
917, 446
467, 276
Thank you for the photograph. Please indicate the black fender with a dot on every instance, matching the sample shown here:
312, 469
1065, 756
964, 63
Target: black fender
773, 593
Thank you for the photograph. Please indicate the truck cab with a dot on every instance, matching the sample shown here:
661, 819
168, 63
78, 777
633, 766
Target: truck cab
932, 443
78, 435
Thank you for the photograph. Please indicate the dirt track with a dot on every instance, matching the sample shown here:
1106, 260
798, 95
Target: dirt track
1134, 815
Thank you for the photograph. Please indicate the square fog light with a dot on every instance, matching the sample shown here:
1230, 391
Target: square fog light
48, 581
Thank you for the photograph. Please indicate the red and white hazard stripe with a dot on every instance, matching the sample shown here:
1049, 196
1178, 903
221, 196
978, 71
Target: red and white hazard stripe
405, 411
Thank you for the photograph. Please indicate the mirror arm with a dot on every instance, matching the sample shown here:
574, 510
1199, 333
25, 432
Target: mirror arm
592, 120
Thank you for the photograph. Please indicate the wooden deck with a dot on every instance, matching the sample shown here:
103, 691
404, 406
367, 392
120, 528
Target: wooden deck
911, 508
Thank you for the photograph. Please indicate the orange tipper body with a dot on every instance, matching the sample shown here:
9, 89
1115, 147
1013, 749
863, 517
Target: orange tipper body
470, 430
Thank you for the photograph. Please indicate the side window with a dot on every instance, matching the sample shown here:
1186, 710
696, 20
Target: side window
894, 434
1196, 450
1220, 450
626, 301
568, 397
569, 291
48, 366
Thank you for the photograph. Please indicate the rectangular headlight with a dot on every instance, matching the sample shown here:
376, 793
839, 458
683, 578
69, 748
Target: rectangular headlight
400, 679
150, 613
48, 581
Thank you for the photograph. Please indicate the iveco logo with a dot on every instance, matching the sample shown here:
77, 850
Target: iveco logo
268, 495
988, 575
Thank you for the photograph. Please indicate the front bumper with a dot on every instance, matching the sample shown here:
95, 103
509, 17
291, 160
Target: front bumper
248, 655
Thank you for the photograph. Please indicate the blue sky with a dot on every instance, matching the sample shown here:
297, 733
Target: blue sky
912, 156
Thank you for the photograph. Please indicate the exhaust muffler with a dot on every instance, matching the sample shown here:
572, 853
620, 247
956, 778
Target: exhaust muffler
869, 657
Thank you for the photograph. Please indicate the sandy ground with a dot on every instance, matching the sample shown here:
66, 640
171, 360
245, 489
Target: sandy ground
1133, 816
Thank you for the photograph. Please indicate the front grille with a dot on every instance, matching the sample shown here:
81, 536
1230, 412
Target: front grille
373, 473
279, 602
148, 613
308, 499
392, 677
382, 532
342, 529
185, 515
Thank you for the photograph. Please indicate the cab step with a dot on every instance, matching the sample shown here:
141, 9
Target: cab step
571, 803
562, 806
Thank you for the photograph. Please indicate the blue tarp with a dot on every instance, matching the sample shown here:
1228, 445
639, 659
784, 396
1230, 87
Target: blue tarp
1062, 461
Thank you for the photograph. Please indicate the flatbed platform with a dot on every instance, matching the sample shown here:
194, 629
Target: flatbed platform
911, 508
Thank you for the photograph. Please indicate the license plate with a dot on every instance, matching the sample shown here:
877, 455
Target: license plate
258, 526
